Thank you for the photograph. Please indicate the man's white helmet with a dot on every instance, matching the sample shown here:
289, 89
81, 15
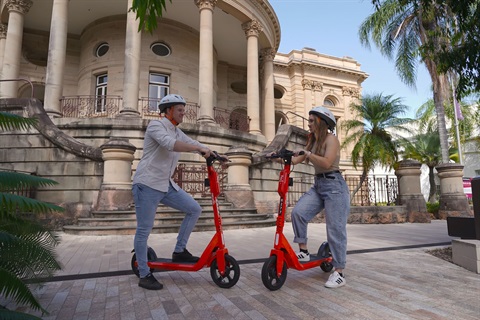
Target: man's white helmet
170, 100
326, 115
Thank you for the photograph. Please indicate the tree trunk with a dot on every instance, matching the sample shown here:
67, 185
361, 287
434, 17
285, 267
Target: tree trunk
362, 180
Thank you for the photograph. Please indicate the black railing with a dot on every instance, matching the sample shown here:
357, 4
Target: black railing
91, 106
192, 179
377, 190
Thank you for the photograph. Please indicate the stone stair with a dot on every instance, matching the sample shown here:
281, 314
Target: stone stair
168, 220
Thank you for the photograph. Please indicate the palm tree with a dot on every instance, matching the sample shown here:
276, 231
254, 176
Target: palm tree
26, 246
467, 126
403, 28
373, 144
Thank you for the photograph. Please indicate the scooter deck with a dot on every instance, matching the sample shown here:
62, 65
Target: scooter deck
167, 260
313, 257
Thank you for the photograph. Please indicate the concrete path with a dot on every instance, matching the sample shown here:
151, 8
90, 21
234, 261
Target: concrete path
389, 276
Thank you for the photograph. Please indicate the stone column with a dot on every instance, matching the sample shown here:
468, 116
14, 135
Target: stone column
13, 45
116, 189
269, 105
238, 191
453, 201
131, 76
252, 30
307, 96
410, 192
205, 74
57, 52
3, 37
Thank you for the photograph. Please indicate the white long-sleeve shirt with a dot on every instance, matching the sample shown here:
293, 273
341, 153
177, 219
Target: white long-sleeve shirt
158, 163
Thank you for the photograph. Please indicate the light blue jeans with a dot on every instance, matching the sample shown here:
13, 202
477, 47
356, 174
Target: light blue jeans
333, 196
146, 203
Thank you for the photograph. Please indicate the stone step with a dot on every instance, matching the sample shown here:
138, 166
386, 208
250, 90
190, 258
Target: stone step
168, 212
168, 228
160, 220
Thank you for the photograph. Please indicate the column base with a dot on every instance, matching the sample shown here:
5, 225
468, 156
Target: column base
114, 199
207, 120
127, 113
52, 114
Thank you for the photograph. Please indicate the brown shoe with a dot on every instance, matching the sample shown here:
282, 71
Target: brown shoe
150, 283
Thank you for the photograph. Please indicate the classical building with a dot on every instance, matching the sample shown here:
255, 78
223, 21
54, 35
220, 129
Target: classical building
94, 80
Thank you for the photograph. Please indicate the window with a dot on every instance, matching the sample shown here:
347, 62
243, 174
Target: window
158, 87
328, 103
102, 49
101, 93
160, 49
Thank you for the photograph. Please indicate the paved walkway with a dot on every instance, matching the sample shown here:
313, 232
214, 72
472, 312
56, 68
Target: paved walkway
389, 276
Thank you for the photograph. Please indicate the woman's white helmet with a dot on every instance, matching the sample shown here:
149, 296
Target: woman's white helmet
170, 100
326, 115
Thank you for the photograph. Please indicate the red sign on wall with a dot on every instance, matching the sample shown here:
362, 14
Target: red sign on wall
467, 188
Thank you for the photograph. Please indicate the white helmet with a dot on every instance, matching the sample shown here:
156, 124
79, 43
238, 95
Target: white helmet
326, 115
170, 100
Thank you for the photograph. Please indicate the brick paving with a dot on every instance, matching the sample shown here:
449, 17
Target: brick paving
399, 280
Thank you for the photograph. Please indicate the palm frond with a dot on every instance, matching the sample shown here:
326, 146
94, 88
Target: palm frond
12, 181
14, 288
10, 121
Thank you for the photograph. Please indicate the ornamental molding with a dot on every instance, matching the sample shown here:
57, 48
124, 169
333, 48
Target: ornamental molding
312, 85
206, 4
21, 6
252, 28
268, 54
351, 91
3, 30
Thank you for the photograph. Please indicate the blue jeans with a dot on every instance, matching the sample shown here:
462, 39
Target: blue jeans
146, 203
333, 196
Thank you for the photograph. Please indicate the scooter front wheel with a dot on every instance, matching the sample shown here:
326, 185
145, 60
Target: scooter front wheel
270, 278
231, 275
151, 256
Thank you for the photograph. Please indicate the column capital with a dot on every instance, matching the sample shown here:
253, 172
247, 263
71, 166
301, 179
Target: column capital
21, 6
252, 28
351, 91
307, 84
206, 4
268, 54
3, 30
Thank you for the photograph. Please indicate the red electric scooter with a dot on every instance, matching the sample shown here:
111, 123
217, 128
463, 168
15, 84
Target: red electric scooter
282, 256
224, 269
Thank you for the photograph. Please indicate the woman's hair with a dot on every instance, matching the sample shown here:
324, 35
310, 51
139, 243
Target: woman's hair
316, 139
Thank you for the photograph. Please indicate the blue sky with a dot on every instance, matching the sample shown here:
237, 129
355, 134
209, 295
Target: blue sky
331, 27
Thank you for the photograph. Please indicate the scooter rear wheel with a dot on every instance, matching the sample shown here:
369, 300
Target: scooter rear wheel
232, 272
270, 278
324, 252
151, 256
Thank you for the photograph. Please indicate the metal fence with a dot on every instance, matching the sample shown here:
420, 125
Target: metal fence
192, 179
377, 190
109, 107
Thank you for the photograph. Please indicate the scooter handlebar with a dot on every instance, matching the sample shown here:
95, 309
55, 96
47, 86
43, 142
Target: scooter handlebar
283, 154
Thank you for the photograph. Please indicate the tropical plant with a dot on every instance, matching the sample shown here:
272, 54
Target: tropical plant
372, 143
466, 126
26, 247
425, 148
461, 56
147, 12
401, 30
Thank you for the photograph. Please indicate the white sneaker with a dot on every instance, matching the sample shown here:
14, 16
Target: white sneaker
335, 281
303, 257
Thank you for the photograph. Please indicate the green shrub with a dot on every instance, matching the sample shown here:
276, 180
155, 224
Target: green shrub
433, 207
